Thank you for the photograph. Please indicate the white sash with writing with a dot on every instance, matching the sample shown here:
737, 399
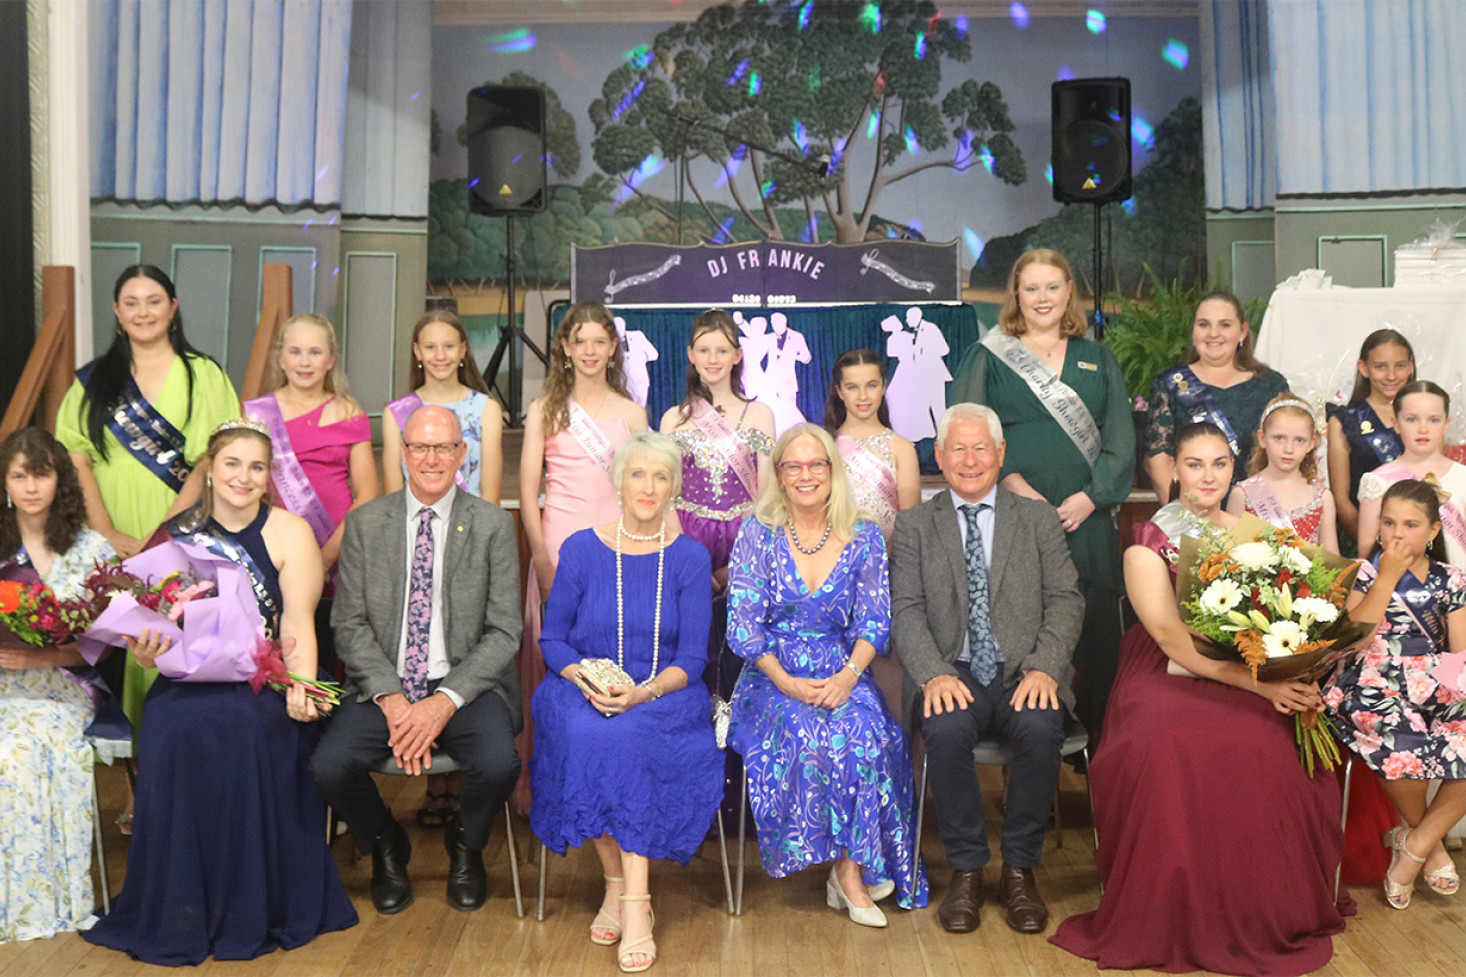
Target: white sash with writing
725, 441
590, 438
1057, 397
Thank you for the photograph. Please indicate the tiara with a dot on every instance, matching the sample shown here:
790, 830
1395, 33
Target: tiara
242, 424
1290, 402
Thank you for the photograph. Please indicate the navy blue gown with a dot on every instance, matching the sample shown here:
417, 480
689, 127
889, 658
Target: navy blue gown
651, 777
228, 856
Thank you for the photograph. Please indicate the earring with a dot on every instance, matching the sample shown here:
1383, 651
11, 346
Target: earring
208, 480
9, 502
567, 362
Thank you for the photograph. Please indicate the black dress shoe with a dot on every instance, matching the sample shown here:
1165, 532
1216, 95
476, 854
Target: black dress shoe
468, 883
391, 891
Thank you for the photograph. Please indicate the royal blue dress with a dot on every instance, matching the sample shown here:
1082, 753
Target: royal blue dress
228, 855
821, 782
651, 777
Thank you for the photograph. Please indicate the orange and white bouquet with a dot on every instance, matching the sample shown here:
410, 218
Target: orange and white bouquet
1276, 604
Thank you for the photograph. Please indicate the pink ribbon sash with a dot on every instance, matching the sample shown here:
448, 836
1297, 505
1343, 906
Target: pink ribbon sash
725, 441
590, 438
294, 489
865, 466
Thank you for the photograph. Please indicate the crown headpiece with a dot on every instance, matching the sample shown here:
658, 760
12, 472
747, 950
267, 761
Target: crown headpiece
244, 424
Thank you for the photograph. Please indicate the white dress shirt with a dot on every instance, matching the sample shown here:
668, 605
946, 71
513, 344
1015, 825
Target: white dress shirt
438, 663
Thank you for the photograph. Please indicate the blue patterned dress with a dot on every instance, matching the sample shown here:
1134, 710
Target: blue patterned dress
1389, 708
822, 783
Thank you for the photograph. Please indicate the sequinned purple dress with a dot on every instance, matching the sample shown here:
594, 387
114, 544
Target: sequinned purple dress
714, 499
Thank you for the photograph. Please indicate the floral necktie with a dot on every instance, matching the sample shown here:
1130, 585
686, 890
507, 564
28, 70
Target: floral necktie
419, 610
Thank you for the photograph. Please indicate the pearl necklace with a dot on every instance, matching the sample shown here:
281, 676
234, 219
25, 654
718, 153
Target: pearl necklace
661, 538
794, 537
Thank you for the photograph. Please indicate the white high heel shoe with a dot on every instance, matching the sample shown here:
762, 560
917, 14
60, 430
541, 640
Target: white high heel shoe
881, 890
865, 916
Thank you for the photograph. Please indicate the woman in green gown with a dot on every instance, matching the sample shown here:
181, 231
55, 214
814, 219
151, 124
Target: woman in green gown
1071, 443
163, 398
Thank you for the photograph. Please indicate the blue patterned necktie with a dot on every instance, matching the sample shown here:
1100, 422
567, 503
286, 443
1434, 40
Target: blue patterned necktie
984, 663
419, 611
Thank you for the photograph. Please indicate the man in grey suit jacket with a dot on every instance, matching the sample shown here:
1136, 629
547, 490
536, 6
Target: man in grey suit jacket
427, 632
987, 633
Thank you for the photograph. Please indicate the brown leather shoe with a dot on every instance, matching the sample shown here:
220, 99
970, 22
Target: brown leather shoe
959, 909
1027, 912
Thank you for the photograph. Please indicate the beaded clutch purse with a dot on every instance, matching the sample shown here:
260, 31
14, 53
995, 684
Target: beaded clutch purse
597, 675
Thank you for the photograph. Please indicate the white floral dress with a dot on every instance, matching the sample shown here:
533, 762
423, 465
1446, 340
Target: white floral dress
46, 781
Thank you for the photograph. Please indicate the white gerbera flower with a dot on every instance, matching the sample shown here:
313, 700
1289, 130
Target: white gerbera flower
1314, 609
1220, 596
1254, 556
1282, 639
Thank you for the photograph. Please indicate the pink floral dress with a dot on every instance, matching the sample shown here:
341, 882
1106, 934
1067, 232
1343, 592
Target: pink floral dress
1389, 708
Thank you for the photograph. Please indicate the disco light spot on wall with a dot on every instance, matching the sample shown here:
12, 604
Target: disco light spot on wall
964, 148
415, 96
735, 162
334, 218
1049, 174
986, 157
512, 42
872, 125
920, 47
837, 155
975, 244
755, 84
961, 25
639, 57
321, 173
1066, 73
800, 139
1176, 54
628, 99
1095, 21
814, 78
649, 167
768, 187
308, 222
871, 17
1128, 206
810, 234
737, 74
725, 230
911, 145
1142, 132
804, 13
1019, 13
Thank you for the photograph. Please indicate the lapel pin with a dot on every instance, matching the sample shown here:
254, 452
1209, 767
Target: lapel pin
460, 529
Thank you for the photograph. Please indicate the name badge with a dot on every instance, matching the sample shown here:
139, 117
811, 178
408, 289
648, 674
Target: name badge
1091, 367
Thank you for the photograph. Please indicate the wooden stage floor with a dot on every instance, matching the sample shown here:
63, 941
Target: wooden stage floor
785, 929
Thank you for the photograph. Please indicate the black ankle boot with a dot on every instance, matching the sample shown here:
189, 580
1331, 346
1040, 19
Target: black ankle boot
468, 883
391, 890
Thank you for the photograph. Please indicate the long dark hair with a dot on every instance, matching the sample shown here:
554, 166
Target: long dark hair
68, 513
713, 320
1426, 496
111, 370
1372, 342
1245, 358
835, 413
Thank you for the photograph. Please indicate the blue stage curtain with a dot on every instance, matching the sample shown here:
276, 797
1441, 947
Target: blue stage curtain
827, 331
218, 100
1237, 105
1368, 95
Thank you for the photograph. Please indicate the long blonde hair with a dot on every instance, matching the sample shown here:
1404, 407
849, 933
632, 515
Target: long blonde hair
1011, 318
334, 382
772, 507
560, 378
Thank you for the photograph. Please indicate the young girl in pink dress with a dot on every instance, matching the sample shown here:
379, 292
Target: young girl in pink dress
571, 434
881, 463
1284, 488
322, 445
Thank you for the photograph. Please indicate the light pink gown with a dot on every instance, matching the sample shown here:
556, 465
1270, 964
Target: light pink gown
578, 495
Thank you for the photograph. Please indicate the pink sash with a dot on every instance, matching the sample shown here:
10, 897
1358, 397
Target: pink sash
595, 444
1260, 496
725, 441
402, 409
292, 487
1451, 518
865, 466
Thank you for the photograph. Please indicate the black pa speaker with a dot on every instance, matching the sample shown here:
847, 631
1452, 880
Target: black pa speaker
506, 151
1091, 127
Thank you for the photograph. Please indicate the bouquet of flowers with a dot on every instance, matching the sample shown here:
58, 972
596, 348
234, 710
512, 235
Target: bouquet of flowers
271, 670
1276, 604
34, 614
214, 641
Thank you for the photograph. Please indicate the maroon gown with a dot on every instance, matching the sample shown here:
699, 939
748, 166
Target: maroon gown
1217, 852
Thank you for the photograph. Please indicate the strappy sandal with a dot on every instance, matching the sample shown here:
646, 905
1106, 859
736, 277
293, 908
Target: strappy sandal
605, 922
1398, 894
436, 809
634, 948
1443, 881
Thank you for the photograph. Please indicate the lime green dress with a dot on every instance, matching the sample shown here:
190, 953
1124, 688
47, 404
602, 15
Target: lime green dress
1040, 451
135, 498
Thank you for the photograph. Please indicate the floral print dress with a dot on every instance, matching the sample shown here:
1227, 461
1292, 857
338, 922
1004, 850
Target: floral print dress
821, 782
1392, 712
46, 780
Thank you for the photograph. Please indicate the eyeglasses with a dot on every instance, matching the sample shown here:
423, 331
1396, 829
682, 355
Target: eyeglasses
420, 450
820, 466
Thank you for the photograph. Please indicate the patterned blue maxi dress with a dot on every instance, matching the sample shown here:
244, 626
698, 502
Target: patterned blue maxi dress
822, 782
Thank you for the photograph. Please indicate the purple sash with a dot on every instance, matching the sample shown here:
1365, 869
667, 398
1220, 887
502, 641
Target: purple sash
402, 409
292, 486
589, 437
725, 441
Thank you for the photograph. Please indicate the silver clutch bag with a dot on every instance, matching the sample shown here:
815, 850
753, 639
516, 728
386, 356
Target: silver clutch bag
722, 715
597, 675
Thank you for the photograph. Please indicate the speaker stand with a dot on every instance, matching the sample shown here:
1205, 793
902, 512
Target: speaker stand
1099, 318
510, 336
